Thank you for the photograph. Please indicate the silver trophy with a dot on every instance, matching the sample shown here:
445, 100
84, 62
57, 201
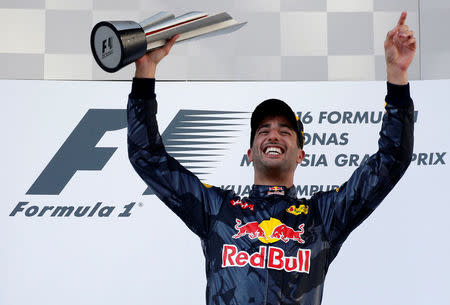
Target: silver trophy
116, 44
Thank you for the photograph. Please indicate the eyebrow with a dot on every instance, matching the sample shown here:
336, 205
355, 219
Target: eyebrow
264, 126
286, 125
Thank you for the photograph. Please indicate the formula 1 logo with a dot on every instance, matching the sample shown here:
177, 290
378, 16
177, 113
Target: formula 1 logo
107, 47
79, 151
269, 231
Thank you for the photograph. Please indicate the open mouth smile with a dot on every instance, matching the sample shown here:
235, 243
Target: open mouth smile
273, 151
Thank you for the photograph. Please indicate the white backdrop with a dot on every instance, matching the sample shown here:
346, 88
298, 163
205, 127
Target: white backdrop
397, 256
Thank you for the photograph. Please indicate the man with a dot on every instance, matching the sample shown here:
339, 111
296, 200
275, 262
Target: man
273, 248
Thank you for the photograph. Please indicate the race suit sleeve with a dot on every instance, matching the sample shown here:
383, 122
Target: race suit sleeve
195, 203
343, 210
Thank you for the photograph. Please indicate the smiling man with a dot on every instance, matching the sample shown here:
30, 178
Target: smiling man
276, 142
272, 247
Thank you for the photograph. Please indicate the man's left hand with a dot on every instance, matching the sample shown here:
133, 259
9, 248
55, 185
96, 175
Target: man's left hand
400, 46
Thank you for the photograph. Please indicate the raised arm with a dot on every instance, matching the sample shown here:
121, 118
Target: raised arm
343, 210
195, 203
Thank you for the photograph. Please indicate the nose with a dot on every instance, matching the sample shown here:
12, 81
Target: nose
273, 136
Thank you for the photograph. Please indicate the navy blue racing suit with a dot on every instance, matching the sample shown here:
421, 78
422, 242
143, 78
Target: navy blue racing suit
270, 247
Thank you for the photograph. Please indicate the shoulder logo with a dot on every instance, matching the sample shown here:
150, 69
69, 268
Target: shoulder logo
298, 210
243, 205
208, 186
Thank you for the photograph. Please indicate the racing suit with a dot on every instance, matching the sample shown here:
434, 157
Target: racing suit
270, 247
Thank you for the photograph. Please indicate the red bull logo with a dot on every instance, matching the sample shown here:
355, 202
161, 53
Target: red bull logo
286, 233
243, 205
275, 190
275, 259
269, 231
252, 229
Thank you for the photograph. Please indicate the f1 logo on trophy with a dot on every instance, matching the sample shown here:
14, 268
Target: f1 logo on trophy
116, 44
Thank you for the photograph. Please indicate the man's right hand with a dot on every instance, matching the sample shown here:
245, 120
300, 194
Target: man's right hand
146, 65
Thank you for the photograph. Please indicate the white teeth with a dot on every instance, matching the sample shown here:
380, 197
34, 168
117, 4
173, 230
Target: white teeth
273, 150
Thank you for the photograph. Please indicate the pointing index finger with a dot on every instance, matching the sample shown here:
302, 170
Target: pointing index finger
402, 19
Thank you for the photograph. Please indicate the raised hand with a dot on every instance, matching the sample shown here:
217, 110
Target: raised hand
400, 46
146, 65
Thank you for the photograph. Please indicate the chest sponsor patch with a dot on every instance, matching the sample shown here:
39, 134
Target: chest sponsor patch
243, 205
269, 231
298, 210
266, 257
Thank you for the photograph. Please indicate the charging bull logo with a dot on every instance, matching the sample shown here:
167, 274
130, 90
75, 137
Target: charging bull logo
252, 229
286, 233
269, 231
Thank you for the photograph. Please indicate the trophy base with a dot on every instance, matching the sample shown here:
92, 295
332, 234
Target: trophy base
115, 44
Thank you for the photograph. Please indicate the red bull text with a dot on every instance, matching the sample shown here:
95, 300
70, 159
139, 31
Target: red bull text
270, 257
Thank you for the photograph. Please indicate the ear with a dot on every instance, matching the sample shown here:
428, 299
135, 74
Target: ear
250, 155
300, 156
